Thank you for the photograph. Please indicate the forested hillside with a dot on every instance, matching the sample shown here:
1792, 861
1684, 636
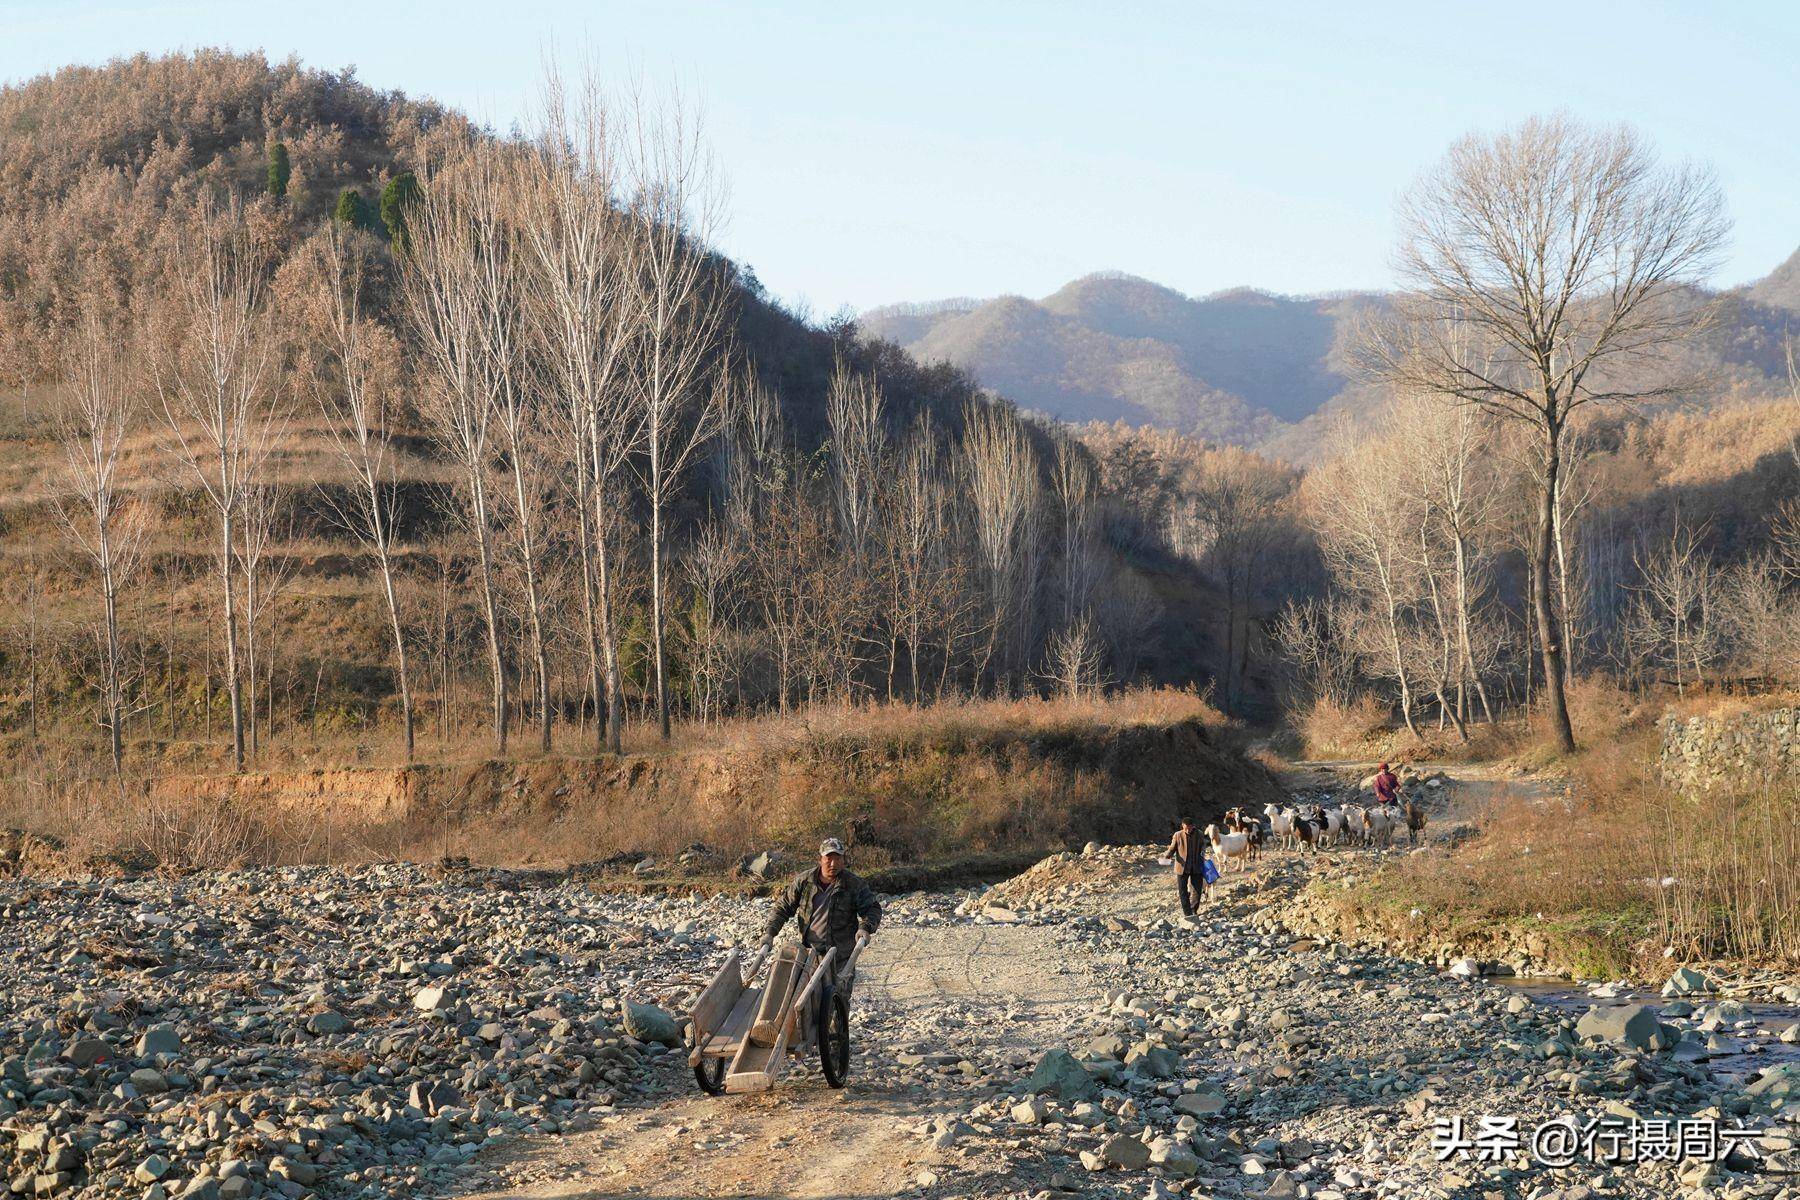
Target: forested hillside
366, 478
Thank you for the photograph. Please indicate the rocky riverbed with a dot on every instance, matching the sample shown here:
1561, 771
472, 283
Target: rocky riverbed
399, 1030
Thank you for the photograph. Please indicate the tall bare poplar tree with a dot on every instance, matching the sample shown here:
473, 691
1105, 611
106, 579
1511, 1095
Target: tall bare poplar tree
452, 232
1004, 495
93, 427
1547, 268
212, 366
356, 388
676, 207
582, 300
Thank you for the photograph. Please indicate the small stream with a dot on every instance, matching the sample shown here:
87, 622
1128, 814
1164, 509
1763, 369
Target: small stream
1736, 1049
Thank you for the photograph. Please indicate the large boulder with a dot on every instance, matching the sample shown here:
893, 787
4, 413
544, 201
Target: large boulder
648, 1023
1777, 1082
1058, 1072
1686, 982
159, 1039
330, 1021
760, 866
1633, 1025
85, 1052
1202, 1103
433, 999
1122, 1150
1153, 1062
1174, 1156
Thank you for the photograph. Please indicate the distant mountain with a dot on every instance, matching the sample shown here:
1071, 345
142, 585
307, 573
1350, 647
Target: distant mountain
1242, 366
1780, 288
1239, 366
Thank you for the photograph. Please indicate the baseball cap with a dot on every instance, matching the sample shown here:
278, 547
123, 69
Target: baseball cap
830, 846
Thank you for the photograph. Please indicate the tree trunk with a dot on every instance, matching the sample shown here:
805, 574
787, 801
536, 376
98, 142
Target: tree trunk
1566, 607
590, 615
656, 600
496, 660
1462, 626
114, 705
1549, 633
393, 604
231, 666
609, 642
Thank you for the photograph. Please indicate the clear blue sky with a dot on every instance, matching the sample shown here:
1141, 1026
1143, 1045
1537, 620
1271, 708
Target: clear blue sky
925, 149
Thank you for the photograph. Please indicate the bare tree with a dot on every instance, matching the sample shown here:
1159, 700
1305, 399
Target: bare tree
1004, 493
356, 386
212, 363
713, 563
454, 233
1313, 637
263, 574
1673, 624
1233, 498
1075, 660
1076, 487
1763, 619
94, 427
859, 453
1547, 266
582, 302
1366, 528
1453, 454
676, 206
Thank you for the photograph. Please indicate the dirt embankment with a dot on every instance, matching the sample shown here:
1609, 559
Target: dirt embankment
906, 797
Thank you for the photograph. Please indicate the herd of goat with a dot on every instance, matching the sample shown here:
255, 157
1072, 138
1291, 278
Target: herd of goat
1313, 827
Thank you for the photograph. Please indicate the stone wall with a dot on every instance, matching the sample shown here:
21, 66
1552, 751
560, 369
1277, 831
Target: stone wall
1701, 753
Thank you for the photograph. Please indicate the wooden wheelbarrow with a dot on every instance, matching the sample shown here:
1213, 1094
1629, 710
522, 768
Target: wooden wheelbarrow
742, 1034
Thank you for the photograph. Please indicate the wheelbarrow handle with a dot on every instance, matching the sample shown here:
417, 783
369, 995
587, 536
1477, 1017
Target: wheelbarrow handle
755, 965
849, 967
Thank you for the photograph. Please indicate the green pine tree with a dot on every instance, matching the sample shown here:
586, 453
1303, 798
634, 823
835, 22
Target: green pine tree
401, 191
279, 170
353, 210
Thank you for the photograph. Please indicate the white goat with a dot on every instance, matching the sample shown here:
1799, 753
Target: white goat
1281, 826
1334, 826
1229, 846
1382, 820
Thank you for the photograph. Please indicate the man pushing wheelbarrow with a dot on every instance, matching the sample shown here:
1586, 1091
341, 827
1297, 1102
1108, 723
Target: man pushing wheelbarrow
743, 1035
829, 903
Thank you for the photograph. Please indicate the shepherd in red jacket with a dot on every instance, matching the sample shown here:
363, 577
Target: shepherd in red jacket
1387, 786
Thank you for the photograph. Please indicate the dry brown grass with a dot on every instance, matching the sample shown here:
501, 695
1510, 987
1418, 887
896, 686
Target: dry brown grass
905, 784
1355, 730
1618, 868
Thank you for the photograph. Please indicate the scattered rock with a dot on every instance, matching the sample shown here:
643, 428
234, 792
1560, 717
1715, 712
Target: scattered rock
1633, 1025
1686, 982
433, 999
1127, 1152
1058, 1072
648, 1023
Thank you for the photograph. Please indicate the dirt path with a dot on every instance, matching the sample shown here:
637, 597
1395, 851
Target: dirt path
931, 984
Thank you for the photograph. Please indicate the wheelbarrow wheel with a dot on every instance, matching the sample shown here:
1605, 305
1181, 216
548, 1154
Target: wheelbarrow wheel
709, 1073
834, 1043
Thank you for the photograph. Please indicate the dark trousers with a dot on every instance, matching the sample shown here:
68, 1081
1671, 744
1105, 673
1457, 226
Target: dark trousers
1192, 889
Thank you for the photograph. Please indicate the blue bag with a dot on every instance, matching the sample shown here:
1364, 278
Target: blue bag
1208, 871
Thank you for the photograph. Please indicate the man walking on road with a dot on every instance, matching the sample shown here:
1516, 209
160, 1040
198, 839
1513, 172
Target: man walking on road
1187, 850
